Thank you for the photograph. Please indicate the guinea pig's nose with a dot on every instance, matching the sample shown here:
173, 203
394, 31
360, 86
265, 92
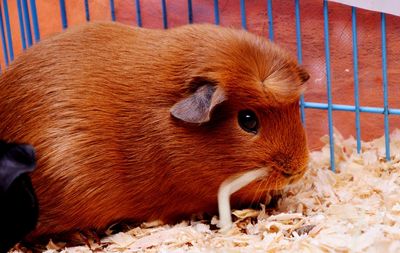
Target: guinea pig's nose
286, 165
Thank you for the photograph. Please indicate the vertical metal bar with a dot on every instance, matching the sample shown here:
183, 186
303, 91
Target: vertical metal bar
328, 84
385, 87
190, 12
164, 14
243, 14
21, 24
3, 38
270, 21
355, 71
216, 12
87, 10
27, 22
35, 21
299, 55
138, 13
8, 26
63, 14
112, 9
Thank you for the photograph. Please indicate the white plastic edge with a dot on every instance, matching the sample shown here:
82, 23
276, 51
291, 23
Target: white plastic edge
227, 188
386, 6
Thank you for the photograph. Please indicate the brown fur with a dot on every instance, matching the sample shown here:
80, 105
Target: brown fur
95, 102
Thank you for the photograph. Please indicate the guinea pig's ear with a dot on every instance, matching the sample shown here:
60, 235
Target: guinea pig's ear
197, 107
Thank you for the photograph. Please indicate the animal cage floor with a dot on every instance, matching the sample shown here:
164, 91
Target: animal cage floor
356, 209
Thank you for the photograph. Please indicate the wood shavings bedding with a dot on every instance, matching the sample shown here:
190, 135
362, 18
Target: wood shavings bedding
356, 209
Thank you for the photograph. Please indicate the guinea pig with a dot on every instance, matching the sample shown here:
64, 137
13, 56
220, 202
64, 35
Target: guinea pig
139, 124
19, 207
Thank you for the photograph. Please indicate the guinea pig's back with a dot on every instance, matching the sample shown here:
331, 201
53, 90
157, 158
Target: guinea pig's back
68, 91
91, 66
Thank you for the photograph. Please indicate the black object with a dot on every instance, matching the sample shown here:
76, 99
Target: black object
18, 203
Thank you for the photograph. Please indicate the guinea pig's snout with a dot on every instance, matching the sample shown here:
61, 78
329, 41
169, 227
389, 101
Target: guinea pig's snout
290, 168
290, 175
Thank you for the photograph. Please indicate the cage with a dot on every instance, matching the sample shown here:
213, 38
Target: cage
352, 54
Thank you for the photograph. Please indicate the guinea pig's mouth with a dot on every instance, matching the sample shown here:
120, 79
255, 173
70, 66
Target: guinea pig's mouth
264, 183
258, 182
276, 178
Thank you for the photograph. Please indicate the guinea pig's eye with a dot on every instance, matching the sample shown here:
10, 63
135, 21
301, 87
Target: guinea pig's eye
248, 121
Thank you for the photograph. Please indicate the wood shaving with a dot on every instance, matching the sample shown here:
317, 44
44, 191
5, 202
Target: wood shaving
356, 209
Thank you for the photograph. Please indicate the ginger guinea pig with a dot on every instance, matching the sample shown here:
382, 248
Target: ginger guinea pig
139, 124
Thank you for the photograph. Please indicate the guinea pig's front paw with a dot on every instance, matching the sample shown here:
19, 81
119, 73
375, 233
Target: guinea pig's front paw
88, 237
57, 242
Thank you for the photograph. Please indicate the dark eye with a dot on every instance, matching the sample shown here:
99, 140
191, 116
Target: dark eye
248, 121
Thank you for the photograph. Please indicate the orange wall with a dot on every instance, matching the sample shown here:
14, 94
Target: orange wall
369, 38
